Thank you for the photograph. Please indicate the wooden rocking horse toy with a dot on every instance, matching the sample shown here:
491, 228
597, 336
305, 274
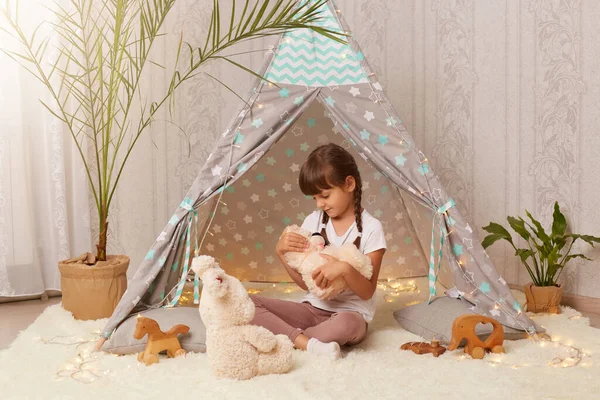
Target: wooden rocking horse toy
158, 340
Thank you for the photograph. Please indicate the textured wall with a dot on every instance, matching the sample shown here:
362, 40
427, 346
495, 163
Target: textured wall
503, 95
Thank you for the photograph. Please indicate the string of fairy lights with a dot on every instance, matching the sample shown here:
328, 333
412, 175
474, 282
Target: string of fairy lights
574, 356
390, 288
85, 367
393, 290
81, 368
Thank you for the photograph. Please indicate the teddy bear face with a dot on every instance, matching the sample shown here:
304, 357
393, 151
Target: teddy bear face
224, 301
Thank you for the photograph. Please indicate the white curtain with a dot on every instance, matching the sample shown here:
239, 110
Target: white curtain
44, 206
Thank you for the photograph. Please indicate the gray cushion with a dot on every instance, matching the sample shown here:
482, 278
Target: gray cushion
122, 341
427, 320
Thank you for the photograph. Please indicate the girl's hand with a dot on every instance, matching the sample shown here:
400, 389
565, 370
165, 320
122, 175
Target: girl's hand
327, 273
291, 242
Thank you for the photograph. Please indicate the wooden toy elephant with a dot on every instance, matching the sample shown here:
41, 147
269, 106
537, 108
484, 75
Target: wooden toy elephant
464, 328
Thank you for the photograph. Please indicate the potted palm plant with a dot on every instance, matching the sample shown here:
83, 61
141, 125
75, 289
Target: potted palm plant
94, 80
544, 257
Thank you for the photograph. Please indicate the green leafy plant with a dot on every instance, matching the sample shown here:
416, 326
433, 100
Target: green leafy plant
104, 49
544, 256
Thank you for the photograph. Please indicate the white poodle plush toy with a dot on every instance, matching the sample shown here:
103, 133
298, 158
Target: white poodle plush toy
235, 349
306, 262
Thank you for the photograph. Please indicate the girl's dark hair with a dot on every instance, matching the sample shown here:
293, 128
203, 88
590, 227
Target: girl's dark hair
326, 167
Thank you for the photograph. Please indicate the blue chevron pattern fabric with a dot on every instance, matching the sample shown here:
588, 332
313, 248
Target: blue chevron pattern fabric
308, 58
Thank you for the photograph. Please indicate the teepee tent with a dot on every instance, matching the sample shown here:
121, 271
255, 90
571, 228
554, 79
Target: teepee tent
247, 191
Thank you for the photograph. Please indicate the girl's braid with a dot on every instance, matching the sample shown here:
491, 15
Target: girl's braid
358, 209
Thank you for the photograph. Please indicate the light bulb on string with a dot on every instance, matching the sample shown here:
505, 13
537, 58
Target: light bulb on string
80, 369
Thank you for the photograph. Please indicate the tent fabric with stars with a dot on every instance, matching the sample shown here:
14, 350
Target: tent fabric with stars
247, 192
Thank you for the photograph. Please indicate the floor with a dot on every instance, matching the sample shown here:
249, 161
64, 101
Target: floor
17, 316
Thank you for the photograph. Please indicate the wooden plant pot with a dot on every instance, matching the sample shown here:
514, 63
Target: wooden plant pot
93, 291
543, 299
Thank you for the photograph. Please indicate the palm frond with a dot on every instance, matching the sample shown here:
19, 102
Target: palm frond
101, 49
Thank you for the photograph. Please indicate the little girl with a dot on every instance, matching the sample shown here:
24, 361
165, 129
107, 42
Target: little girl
331, 176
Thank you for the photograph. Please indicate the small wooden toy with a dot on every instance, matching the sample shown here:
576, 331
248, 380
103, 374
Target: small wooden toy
424, 347
464, 328
158, 340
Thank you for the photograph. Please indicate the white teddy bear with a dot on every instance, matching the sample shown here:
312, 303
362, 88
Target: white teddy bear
306, 262
235, 349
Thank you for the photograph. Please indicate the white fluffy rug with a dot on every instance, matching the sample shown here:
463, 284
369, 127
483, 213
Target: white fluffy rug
32, 368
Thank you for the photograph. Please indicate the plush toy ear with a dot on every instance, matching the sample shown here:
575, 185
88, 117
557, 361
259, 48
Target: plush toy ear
215, 283
297, 229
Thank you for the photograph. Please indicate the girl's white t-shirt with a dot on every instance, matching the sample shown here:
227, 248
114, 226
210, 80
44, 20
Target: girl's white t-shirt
372, 239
